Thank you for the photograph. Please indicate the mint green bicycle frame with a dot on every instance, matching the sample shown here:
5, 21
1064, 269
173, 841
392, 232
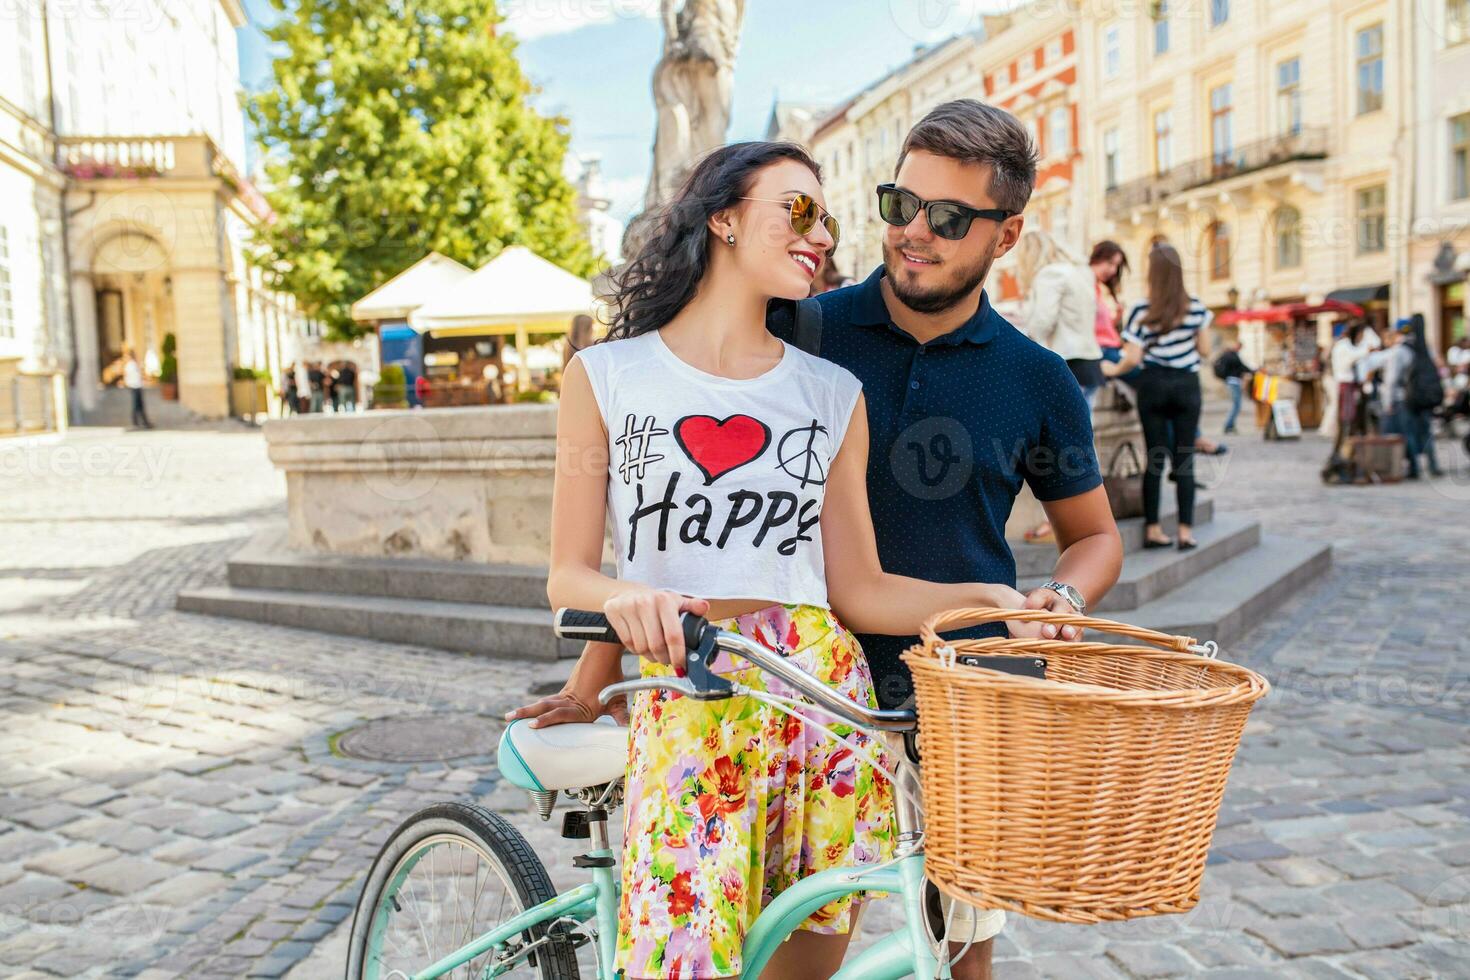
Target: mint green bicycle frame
904, 952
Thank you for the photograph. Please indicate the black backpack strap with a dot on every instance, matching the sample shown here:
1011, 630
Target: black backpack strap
809, 326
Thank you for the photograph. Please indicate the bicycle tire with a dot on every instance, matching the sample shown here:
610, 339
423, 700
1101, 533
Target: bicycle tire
496, 838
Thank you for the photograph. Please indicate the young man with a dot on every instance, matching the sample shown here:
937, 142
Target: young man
962, 407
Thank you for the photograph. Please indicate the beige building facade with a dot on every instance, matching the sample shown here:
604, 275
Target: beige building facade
857, 144
1269, 142
124, 213
1439, 240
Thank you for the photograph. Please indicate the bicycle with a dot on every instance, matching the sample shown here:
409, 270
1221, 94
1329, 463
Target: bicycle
391, 932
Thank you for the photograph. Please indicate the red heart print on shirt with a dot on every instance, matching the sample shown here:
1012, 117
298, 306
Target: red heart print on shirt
718, 446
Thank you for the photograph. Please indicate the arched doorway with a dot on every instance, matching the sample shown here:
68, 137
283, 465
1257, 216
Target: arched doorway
130, 279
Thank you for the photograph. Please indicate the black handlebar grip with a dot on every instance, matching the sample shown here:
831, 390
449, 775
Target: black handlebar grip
592, 627
583, 624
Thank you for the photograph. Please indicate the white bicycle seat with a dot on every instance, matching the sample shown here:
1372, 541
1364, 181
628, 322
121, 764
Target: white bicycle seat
562, 756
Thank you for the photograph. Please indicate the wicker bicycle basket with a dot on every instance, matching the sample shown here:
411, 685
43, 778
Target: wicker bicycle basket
1086, 796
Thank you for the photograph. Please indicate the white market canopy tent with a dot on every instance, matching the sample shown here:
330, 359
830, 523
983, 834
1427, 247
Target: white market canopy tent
430, 277
517, 292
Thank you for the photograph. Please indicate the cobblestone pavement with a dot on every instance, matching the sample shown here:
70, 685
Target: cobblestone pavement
170, 805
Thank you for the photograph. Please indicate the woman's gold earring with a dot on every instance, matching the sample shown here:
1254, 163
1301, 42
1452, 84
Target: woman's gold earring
730, 239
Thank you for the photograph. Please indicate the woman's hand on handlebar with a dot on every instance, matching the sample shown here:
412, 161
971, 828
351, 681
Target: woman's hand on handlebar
647, 621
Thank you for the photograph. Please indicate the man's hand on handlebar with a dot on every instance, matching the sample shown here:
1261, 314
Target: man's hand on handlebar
647, 622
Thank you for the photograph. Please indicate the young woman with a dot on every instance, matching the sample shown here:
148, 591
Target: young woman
1166, 334
733, 468
1060, 315
1108, 263
1061, 306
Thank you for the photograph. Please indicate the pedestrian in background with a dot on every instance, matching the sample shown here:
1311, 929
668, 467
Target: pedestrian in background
1230, 369
347, 386
1166, 335
1108, 263
288, 392
132, 372
317, 381
1060, 314
1400, 398
1061, 306
303, 387
578, 337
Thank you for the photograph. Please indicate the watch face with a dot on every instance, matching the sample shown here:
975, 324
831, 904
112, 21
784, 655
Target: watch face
1071, 595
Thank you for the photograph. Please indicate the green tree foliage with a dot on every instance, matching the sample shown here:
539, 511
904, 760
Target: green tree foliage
397, 127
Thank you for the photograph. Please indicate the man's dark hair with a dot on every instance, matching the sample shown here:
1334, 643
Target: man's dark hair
973, 132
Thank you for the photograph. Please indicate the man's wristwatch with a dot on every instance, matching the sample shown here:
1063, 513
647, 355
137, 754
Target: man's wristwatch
1070, 594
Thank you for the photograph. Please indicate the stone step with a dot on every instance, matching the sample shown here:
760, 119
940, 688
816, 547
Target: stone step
1150, 574
1225, 603
1037, 560
490, 630
114, 407
265, 563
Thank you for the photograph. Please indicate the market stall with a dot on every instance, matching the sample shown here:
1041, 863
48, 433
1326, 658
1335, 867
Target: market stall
469, 330
1288, 360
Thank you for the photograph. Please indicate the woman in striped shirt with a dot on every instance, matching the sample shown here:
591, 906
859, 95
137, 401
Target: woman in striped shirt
1166, 334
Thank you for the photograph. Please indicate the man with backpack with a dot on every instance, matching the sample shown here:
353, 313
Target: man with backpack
1410, 392
1230, 369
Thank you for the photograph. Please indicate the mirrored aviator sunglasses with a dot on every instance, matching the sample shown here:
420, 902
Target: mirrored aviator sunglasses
804, 212
804, 215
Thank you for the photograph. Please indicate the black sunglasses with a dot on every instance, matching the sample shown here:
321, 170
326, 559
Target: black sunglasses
947, 219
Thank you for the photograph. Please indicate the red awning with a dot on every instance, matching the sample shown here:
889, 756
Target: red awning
1287, 312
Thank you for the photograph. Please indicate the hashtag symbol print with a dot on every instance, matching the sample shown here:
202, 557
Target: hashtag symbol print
637, 445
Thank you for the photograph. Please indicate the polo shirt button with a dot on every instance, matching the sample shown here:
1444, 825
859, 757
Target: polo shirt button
914, 385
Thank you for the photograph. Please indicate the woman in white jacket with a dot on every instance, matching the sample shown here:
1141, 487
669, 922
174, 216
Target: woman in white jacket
1061, 306
1060, 314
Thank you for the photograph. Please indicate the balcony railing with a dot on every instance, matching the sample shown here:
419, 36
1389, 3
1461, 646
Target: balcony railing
1155, 189
132, 158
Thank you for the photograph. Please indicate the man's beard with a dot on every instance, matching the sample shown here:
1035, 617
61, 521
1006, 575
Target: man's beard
942, 298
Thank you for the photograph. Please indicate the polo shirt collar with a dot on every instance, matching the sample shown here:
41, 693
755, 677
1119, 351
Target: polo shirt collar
869, 309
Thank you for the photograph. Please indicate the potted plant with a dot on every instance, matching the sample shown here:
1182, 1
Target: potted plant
248, 391
391, 390
168, 369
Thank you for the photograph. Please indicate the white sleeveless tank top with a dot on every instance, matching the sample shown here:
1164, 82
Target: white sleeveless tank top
715, 485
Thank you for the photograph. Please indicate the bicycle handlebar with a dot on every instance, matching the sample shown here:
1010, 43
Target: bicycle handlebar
701, 639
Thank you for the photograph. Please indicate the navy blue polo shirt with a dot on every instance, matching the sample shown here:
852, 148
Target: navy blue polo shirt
956, 426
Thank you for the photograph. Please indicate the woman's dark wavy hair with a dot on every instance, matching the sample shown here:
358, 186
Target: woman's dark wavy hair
663, 276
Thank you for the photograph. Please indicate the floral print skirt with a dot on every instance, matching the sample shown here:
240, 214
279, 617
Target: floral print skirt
731, 802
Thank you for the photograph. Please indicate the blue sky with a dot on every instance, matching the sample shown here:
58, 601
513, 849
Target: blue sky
593, 60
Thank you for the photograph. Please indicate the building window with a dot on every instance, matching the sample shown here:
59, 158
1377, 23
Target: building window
1369, 53
1059, 134
1289, 96
1222, 130
7, 307
1163, 141
1460, 157
1161, 26
1219, 242
1112, 51
1219, 12
1456, 22
1372, 219
1110, 158
1288, 221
